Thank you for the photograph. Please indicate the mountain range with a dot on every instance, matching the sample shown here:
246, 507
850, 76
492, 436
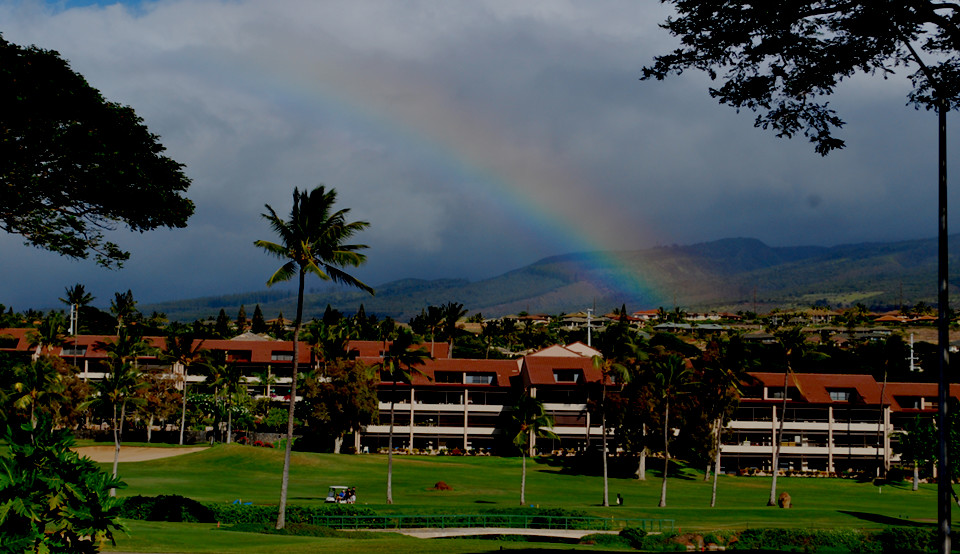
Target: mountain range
735, 274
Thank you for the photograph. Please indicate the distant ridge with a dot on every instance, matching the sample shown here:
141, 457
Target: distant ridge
728, 274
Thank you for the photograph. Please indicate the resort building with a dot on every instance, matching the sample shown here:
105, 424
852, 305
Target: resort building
831, 423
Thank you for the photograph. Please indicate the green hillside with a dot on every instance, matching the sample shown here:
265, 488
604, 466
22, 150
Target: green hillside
728, 274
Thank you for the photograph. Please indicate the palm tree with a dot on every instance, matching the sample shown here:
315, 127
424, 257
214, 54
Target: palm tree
312, 240
182, 351
530, 419
399, 362
434, 321
267, 379
123, 306
36, 384
215, 369
615, 373
489, 331
76, 297
794, 347
727, 364
669, 381
234, 383
116, 390
452, 312
49, 334
328, 341
122, 358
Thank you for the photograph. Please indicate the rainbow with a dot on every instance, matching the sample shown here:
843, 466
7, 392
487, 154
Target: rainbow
523, 179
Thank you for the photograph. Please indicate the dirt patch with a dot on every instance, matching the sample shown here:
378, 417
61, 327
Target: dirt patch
104, 454
441, 486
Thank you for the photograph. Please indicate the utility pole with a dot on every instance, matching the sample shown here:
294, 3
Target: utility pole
944, 484
589, 327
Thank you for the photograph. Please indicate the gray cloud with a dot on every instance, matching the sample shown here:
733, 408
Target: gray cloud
474, 136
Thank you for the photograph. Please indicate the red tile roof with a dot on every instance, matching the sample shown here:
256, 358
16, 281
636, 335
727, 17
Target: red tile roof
259, 352
815, 387
538, 370
20, 335
372, 348
504, 370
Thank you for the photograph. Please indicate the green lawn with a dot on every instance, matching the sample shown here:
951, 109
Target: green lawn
151, 536
225, 473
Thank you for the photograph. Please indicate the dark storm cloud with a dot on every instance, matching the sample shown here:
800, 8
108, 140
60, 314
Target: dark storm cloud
474, 136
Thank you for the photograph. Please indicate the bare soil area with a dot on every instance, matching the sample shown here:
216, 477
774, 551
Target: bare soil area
104, 454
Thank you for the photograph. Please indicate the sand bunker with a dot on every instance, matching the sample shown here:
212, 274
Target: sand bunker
104, 454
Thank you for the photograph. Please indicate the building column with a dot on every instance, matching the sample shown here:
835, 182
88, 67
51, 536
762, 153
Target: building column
356, 442
86, 370
830, 439
466, 419
587, 447
412, 410
886, 439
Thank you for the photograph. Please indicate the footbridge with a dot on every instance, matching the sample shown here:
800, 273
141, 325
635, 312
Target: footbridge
460, 525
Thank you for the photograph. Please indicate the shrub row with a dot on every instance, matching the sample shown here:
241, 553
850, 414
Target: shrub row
912, 540
893, 539
307, 518
179, 508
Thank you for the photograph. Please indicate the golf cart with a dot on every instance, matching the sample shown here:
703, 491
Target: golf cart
338, 494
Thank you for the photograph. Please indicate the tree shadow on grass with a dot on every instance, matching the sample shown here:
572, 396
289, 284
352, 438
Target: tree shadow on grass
620, 467
885, 520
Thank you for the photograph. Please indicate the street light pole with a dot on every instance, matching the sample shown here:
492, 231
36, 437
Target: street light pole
944, 481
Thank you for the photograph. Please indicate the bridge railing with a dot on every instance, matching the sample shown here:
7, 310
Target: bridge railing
445, 521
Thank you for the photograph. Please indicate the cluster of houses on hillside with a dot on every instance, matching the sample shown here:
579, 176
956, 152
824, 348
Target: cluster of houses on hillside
833, 423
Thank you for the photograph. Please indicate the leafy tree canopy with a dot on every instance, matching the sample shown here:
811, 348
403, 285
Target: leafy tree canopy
781, 58
74, 166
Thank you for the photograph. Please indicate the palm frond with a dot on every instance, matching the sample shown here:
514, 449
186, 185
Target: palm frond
286, 272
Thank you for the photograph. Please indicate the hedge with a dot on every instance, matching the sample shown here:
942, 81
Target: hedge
179, 508
893, 539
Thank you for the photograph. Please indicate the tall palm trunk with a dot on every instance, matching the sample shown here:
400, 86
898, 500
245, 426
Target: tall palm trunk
123, 417
285, 480
880, 428
523, 477
603, 442
642, 464
716, 462
183, 412
116, 448
666, 455
229, 420
390, 445
916, 475
778, 440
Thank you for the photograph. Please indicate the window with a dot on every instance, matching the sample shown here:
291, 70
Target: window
78, 350
840, 395
566, 375
908, 402
448, 377
9, 342
479, 379
777, 393
281, 356
238, 355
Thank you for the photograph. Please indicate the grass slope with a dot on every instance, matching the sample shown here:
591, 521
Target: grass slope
225, 473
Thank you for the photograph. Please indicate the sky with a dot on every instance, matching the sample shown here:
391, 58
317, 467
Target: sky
476, 137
